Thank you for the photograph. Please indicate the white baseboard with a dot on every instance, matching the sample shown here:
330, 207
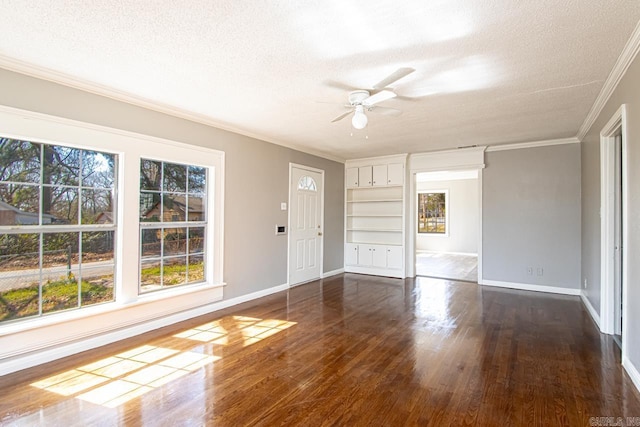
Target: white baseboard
332, 273
529, 287
592, 311
632, 371
50, 354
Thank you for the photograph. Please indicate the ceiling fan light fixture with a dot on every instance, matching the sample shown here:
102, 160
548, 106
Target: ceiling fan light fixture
359, 120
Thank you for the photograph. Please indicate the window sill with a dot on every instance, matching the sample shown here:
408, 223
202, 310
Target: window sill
54, 319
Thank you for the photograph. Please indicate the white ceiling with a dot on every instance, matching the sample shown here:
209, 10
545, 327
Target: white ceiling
487, 72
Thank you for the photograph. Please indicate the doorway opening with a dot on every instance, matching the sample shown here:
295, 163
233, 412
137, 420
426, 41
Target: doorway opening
614, 194
447, 224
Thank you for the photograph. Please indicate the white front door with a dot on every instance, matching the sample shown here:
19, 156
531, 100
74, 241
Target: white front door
305, 224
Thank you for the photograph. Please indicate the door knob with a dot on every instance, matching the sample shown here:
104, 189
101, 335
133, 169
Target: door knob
319, 233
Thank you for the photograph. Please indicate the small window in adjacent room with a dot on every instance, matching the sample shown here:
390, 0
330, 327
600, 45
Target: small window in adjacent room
173, 222
57, 228
432, 212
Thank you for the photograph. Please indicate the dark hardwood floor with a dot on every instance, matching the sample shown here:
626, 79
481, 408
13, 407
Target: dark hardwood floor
349, 350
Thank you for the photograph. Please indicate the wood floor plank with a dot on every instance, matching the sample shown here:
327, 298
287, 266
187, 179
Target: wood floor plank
349, 350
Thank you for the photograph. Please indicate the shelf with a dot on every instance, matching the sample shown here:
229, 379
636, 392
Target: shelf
382, 230
374, 216
368, 242
374, 200
375, 186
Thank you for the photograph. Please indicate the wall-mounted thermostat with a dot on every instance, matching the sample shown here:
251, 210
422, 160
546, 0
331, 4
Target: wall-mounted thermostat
281, 229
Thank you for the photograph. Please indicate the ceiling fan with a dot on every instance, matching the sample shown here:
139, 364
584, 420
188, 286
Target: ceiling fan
361, 100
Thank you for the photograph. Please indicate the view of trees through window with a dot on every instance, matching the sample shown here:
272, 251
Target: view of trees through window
56, 228
432, 215
172, 224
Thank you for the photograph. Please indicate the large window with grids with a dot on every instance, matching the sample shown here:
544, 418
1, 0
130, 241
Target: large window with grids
432, 212
173, 223
57, 228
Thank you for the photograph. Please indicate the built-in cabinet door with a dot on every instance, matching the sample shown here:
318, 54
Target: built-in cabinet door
351, 255
395, 174
365, 176
352, 177
365, 254
379, 256
394, 256
379, 175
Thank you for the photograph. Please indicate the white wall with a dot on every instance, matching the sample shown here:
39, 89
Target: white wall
463, 218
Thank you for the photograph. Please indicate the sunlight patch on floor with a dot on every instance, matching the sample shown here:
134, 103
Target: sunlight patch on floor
231, 329
117, 379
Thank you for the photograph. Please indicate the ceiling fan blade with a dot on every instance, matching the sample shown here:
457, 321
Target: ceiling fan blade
395, 76
386, 111
338, 85
341, 116
383, 95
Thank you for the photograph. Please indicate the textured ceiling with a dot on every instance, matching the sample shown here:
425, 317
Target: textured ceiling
487, 72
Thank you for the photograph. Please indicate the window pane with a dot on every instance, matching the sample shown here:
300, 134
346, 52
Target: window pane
97, 284
175, 177
19, 275
150, 208
150, 175
19, 204
97, 248
432, 213
175, 241
150, 275
59, 205
98, 169
19, 161
174, 208
150, 240
20, 297
60, 255
174, 271
196, 240
61, 165
97, 207
196, 208
197, 180
196, 269
60, 294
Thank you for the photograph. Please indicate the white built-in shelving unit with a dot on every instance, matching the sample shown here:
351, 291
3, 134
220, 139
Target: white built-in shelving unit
375, 216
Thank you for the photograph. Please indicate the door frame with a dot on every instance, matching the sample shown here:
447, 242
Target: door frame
471, 158
616, 125
321, 251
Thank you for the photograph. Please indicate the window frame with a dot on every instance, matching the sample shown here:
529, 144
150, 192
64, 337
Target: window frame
446, 207
130, 147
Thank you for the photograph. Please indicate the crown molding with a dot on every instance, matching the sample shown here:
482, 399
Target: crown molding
47, 74
621, 66
533, 144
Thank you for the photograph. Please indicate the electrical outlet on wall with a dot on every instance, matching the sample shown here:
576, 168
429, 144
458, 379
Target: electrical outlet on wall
530, 271
540, 271
585, 283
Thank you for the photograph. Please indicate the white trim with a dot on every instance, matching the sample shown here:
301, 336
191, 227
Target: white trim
138, 101
321, 251
632, 371
332, 273
479, 267
50, 354
530, 287
592, 311
617, 123
533, 144
625, 59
